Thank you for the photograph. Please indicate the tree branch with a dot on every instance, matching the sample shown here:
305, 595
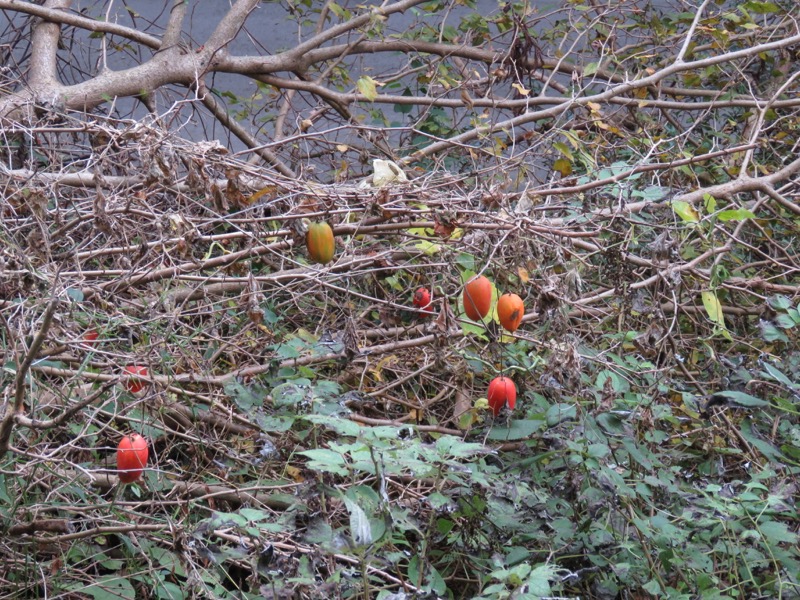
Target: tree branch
172, 33
219, 112
44, 50
59, 16
230, 25
7, 424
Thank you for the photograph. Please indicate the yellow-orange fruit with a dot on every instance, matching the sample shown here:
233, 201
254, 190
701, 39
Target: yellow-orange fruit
477, 297
320, 242
510, 310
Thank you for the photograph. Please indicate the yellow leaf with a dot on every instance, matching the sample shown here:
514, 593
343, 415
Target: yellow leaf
563, 166
377, 371
295, 473
524, 276
714, 310
563, 149
522, 91
685, 211
429, 248
270, 189
306, 336
482, 404
713, 307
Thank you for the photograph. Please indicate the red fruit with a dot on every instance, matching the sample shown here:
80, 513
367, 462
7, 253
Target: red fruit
133, 384
422, 300
90, 336
502, 391
477, 297
510, 310
132, 456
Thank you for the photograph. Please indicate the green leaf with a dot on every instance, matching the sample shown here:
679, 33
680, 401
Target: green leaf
274, 424
360, 528
436, 581
591, 69
472, 329
326, 461
75, 294
611, 423
559, 413
775, 532
761, 8
167, 590
742, 399
618, 383
517, 430
685, 211
636, 453
539, 580
253, 515
428, 248
291, 393
564, 149
759, 443
770, 333
339, 425
739, 214
652, 193
108, 587
714, 311
780, 302
337, 10
653, 588
778, 376
451, 446
368, 87
242, 396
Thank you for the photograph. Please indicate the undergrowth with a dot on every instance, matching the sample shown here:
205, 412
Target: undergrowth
312, 435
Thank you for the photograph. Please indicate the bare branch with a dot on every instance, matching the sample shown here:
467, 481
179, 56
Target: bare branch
229, 26
56, 15
172, 33
44, 43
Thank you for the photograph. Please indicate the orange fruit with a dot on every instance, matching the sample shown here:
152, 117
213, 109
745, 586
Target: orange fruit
510, 310
477, 297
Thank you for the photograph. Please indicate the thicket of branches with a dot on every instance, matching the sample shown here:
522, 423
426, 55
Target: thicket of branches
631, 172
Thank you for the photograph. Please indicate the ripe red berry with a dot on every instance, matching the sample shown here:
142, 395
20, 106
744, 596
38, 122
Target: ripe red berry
132, 383
502, 392
132, 454
422, 300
